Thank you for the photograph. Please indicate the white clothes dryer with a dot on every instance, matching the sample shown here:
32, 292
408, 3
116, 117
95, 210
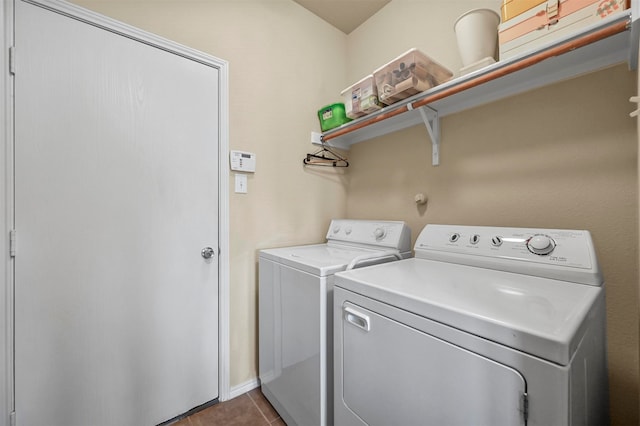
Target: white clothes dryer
296, 313
485, 326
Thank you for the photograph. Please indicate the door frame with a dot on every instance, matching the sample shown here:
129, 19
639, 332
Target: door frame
7, 184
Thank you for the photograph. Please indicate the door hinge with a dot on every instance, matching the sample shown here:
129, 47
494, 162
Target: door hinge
12, 418
12, 243
12, 60
524, 407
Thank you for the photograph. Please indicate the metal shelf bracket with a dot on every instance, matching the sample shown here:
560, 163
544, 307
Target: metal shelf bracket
432, 123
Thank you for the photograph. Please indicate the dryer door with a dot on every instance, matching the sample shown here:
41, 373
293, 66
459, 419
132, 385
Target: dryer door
394, 374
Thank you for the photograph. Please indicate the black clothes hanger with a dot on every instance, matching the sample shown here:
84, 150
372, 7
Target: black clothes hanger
325, 157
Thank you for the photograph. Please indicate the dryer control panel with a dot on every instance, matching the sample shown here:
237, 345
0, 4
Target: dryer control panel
554, 253
375, 233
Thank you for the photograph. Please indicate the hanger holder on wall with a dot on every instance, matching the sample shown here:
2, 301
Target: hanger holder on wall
325, 157
635, 100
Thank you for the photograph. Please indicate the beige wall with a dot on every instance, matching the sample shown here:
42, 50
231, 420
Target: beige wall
560, 157
284, 65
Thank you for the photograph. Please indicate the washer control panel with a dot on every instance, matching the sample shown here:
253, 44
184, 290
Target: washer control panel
391, 234
554, 253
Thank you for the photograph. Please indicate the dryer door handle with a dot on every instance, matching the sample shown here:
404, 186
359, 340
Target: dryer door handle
356, 318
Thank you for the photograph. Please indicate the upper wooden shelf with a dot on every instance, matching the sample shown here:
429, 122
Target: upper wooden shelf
611, 41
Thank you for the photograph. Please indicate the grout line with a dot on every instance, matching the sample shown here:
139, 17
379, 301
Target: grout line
260, 410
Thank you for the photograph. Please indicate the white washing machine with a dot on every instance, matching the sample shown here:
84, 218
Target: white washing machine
295, 313
485, 326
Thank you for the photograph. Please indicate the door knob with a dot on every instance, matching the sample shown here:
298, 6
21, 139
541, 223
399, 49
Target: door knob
207, 252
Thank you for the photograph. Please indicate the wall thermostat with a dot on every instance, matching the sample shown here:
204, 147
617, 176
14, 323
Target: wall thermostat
243, 161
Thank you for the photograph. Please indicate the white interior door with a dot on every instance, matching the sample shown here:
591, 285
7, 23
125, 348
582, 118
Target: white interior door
116, 194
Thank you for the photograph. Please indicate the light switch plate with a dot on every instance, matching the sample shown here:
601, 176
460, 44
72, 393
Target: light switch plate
241, 183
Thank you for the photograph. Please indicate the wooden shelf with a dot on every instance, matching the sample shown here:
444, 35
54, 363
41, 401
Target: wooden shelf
611, 41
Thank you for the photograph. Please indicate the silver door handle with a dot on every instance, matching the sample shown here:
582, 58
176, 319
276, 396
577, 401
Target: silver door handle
207, 252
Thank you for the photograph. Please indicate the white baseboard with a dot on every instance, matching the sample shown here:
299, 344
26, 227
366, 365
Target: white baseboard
243, 388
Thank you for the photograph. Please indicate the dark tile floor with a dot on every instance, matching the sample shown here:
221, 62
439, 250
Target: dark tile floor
249, 409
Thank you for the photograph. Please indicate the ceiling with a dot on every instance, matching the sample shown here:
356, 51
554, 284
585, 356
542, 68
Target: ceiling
345, 15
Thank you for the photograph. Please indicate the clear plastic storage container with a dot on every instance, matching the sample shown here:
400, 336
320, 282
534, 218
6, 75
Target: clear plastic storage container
361, 98
407, 75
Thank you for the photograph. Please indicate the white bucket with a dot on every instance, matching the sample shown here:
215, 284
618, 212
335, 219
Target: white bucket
477, 35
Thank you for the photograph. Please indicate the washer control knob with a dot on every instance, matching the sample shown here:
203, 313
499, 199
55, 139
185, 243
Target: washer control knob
454, 237
336, 229
541, 244
496, 241
475, 238
379, 233
347, 230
